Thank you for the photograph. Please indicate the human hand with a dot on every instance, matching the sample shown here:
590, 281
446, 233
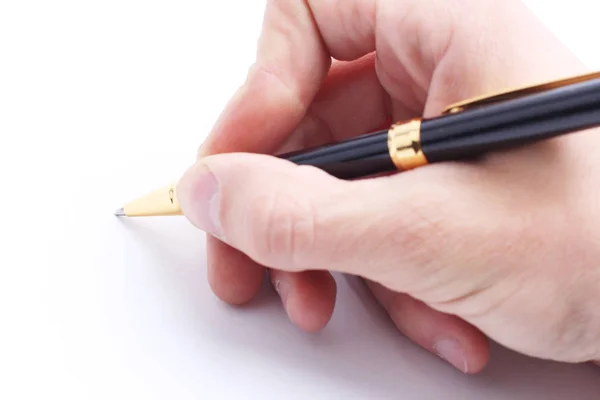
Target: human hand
505, 247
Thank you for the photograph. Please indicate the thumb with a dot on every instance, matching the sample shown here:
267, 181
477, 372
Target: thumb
280, 214
297, 218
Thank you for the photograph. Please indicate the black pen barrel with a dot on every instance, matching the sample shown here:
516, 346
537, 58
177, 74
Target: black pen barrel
511, 136
361, 156
511, 112
467, 133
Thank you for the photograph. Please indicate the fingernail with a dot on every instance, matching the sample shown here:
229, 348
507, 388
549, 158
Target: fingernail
451, 351
282, 287
198, 194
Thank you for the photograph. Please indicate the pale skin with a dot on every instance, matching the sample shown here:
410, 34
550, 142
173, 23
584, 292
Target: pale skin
505, 247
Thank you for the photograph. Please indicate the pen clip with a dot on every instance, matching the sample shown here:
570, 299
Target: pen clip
516, 93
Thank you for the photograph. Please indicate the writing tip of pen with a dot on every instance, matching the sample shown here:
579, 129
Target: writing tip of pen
120, 212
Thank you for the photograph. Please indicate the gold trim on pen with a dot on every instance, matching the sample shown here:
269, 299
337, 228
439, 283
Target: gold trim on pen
517, 92
161, 202
404, 144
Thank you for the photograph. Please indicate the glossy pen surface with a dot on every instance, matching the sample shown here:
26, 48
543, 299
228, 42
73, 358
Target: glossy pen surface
536, 106
364, 155
468, 132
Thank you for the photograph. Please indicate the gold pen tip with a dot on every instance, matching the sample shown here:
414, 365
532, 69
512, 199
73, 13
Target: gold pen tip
120, 212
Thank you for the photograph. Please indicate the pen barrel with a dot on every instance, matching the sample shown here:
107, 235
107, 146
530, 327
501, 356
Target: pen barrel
510, 136
539, 106
362, 156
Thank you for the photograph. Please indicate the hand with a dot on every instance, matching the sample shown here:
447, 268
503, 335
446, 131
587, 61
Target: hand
506, 248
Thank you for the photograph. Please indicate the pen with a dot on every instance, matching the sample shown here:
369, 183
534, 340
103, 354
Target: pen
499, 121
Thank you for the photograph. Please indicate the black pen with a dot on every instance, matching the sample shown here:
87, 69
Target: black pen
500, 121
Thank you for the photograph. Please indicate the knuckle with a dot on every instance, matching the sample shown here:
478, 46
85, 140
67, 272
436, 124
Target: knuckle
284, 230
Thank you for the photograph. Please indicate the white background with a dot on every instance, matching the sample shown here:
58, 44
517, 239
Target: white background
103, 100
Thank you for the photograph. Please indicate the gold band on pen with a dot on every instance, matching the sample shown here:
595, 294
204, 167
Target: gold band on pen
404, 144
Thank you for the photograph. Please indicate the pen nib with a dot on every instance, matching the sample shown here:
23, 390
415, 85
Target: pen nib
120, 212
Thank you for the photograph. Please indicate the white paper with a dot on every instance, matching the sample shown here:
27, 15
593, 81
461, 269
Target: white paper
103, 101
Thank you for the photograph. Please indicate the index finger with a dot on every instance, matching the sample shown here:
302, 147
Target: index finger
295, 48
